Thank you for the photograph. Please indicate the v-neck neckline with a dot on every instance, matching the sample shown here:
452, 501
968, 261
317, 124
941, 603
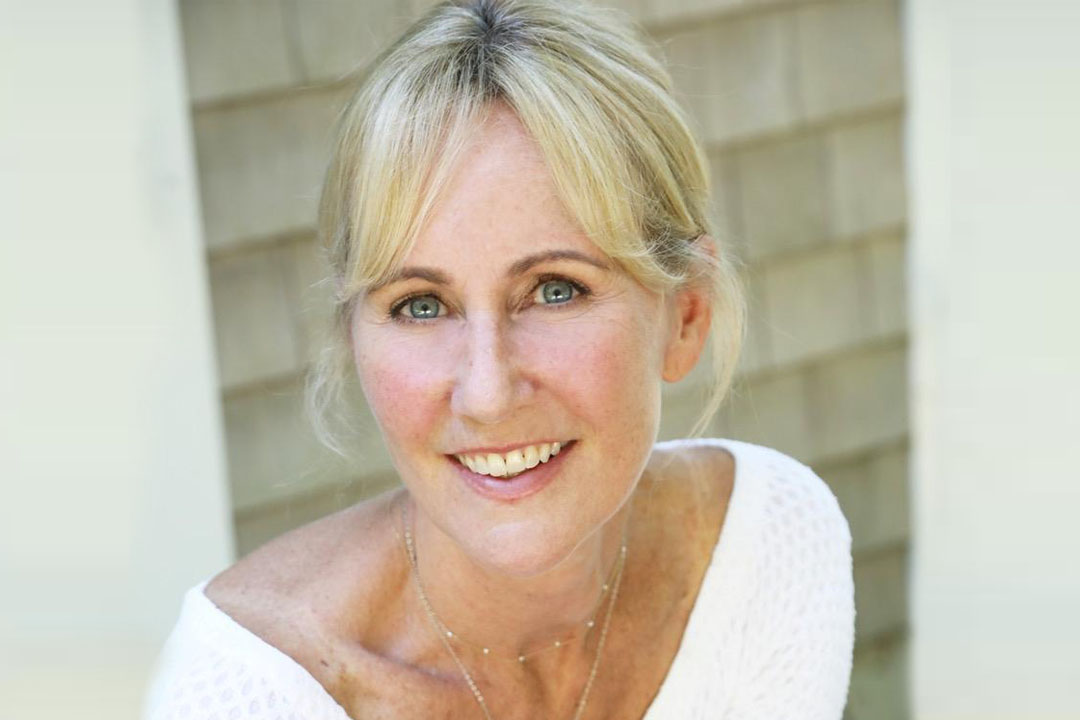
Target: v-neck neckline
720, 573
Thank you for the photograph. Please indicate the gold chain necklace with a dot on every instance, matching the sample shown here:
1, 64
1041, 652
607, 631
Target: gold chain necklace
445, 633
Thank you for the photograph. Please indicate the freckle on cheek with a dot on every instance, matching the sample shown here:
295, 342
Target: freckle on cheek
399, 389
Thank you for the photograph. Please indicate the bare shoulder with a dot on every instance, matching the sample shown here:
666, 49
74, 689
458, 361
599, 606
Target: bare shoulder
298, 590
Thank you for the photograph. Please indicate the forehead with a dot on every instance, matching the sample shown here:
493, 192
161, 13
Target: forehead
499, 201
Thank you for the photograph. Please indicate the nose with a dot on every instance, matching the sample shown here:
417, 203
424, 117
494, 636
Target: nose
488, 386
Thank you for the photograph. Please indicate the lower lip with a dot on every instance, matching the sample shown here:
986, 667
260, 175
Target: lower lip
518, 487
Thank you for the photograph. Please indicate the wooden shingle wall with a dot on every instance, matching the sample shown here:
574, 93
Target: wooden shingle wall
800, 105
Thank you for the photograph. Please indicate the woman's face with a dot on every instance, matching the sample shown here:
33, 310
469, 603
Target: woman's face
507, 327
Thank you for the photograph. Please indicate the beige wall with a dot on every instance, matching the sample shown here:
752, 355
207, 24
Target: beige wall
995, 158
112, 466
801, 105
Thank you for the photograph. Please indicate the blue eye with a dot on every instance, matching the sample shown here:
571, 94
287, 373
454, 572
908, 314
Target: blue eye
554, 292
417, 308
424, 307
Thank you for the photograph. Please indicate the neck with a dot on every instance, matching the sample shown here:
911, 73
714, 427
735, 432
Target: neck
516, 616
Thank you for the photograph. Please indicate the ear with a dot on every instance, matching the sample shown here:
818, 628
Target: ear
690, 316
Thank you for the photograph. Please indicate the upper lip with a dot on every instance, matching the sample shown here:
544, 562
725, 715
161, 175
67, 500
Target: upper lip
503, 449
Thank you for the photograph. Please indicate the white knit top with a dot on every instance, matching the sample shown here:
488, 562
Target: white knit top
770, 635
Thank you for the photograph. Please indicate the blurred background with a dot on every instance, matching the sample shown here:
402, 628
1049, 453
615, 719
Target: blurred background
900, 179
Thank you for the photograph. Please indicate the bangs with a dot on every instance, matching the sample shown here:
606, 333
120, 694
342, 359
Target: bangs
404, 156
623, 163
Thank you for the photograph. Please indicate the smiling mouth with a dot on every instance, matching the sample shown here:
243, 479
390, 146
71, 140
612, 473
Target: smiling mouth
513, 463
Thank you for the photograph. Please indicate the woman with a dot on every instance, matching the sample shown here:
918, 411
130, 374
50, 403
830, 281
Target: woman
515, 219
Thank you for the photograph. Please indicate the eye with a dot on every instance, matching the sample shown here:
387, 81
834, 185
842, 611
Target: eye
556, 291
417, 307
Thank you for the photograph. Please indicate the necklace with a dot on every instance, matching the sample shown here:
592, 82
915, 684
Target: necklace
445, 634
442, 629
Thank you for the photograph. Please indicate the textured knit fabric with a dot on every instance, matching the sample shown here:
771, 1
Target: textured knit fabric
770, 635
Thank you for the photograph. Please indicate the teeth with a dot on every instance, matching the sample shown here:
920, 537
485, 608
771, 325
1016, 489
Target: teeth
513, 462
480, 464
532, 457
496, 465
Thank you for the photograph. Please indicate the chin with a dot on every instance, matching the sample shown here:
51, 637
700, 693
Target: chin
520, 548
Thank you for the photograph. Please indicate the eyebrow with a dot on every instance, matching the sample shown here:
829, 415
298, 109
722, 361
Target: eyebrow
438, 277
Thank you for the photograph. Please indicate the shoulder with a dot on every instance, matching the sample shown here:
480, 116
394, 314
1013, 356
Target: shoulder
799, 598
293, 605
211, 669
778, 484
784, 509
795, 500
213, 666
204, 670
801, 550
299, 590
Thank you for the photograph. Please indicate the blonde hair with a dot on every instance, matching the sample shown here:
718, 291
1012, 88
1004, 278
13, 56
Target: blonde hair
583, 83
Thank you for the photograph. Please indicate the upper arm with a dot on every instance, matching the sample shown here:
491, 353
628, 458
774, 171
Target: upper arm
801, 620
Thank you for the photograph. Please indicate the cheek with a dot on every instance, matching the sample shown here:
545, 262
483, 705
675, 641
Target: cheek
403, 383
602, 363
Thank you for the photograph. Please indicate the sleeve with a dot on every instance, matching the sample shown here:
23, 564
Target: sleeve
800, 628
213, 685
197, 677
191, 680
212, 668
